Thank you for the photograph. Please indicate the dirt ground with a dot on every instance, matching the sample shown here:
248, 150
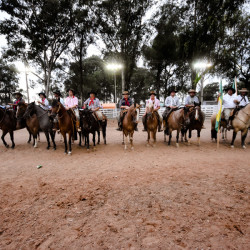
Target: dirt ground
150, 198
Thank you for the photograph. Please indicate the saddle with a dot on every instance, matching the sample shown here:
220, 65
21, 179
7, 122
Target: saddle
167, 113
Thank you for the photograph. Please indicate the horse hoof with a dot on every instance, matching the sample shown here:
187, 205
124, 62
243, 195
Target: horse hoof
47, 148
35, 146
55, 148
125, 147
148, 144
69, 153
88, 150
123, 143
232, 146
177, 145
154, 145
94, 148
7, 146
132, 148
65, 153
244, 147
28, 141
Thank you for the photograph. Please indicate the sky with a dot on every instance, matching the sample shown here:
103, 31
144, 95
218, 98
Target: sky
92, 50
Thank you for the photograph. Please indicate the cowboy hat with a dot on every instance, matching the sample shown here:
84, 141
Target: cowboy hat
92, 92
230, 88
125, 93
17, 93
152, 92
192, 91
57, 91
70, 89
42, 93
243, 90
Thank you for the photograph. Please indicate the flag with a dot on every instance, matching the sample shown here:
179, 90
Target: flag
218, 116
235, 85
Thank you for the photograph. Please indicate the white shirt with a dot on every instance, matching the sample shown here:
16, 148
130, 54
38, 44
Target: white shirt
243, 100
156, 102
228, 101
172, 101
46, 104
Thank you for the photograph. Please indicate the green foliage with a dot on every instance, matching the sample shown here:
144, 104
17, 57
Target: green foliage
8, 81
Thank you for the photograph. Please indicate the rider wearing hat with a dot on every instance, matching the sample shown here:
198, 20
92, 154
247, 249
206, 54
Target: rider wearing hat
44, 103
58, 96
93, 103
229, 104
124, 104
172, 103
191, 99
71, 103
242, 99
157, 106
18, 99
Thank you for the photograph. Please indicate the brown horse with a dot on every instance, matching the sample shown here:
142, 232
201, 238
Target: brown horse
129, 124
223, 128
177, 120
31, 122
197, 118
65, 122
152, 123
8, 125
241, 122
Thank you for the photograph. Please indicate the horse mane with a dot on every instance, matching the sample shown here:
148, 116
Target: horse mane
54, 102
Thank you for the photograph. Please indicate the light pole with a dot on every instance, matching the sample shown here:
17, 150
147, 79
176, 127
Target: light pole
203, 66
114, 67
27, 85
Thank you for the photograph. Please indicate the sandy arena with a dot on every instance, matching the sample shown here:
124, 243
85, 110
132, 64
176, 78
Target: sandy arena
150, 198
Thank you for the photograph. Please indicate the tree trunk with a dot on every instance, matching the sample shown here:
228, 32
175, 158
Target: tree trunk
81, 68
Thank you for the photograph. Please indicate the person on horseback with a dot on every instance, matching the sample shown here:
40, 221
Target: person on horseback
71, 103
93, 104
44, 104
191, 98
124, 104
19, 99
58, 96
156, 103
229, 104
242, 99
172, 103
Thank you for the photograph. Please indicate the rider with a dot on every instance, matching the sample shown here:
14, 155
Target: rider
172, 103
157, 106
58, 96
44, 104
242, 99
191, 99
229, 104
18, 99
71, 103
94, 105
124, 105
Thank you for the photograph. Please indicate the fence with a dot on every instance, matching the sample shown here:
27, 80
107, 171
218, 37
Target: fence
209, 110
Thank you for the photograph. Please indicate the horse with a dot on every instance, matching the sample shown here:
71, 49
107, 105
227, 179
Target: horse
31, 123
129, 124
65, 122
177, 120
241, 122
197, 119
8, 125
152, 123
44, 121
90, 125
223, 128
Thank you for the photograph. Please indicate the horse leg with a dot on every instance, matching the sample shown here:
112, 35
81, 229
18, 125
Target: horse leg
165, 137
94, 139
148, 140
70, 137
169, 138
123, 139
199, 137
154, 136
87, 137
4, 142
126, 142
80, 138
177, 138
131, 140
48, 140
189, 136
233, 139
29, 138
98, 133
104, 132
35, 141
38, 137
243, 138
225, 134
65, 143
12, 139
52, 135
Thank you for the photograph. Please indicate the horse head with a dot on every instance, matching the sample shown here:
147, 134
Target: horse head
150, 109
196, 111
55, 107
186, 116
134, 111
21, 108
86, 117
30, 110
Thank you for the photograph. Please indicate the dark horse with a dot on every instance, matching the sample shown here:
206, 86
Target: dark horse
65, 122
89, 124
44, 120
197, 118
31, 122
8, 125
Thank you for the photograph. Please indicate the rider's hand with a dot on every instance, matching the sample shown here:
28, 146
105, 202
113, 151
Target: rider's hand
127, 107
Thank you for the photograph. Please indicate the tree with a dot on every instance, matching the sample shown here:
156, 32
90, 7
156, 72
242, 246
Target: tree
8, 81
210, 91
38, 32
122, 29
